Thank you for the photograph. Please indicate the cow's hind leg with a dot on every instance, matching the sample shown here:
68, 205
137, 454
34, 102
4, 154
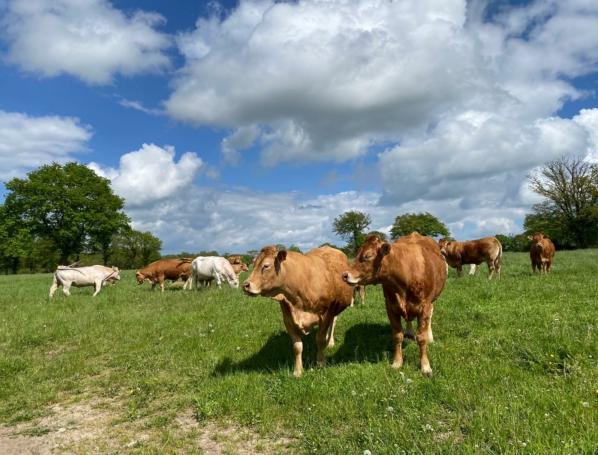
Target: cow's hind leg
490, 268
66, 286
430, 334
423, 327
54, 287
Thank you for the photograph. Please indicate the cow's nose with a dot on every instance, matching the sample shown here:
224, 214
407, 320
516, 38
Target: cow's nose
246, 285
345, 276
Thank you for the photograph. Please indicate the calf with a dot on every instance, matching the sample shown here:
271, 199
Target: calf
95, 276
308, 288
412, 273
541, 252
207, 268
165, 269
488, 250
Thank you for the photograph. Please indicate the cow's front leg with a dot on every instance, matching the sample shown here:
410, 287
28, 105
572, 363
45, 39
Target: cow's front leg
153, 285
330, 340
459, 269
393, 310
217, 278
97, 285
423, 326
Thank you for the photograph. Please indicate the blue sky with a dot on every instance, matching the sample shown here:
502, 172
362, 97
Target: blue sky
233, 125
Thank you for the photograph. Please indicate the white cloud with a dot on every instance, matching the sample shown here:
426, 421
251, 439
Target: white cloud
137, 105
28, 142
89, 39
242, 138
151, 174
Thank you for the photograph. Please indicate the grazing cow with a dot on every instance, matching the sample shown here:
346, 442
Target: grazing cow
239, 268
95, 276
488, 250
541, 252
235, 260
207, 268
308, 288
165, 269
412, 273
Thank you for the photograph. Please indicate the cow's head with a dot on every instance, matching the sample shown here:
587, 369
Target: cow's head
140, 277
538, 241
365, 268
115, 273
444, 245
266, 279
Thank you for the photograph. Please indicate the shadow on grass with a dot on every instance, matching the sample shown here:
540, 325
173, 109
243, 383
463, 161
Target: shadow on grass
361, 343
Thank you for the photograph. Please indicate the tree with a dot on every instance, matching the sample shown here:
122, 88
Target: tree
149, 247
294, 248
569, 214
15, 240
513, 243
350, 226
423, 223
70, 205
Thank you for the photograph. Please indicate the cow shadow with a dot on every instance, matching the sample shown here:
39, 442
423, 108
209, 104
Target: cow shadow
362, 343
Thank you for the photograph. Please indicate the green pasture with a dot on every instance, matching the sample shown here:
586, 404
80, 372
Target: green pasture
515, 365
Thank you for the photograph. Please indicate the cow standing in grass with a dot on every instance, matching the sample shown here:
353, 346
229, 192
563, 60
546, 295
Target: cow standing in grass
541, 252
412, 273
166, 269
308, 288
207, 268
488, 250
95, 275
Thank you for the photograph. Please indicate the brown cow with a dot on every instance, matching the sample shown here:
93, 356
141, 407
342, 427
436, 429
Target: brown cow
412, 273
239, 268
235, 260
488, 250
309, 290
165, 269
541, 252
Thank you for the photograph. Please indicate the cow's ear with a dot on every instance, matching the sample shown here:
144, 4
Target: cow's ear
385, 248
545, 236
137, 272
282, 255
530, 237
448, 243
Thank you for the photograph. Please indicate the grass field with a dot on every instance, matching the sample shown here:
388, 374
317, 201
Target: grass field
515, 369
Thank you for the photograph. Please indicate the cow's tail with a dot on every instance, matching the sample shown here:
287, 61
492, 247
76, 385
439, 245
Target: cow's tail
498, 258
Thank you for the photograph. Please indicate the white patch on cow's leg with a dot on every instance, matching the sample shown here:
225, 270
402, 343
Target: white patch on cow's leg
409, 332
161, 284
330, 341
473, 269
188, 282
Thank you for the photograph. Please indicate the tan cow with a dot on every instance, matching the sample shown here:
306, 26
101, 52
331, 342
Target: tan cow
488, 250
541, 252
239, 268
309, 289
412, 273
235, 260
165, 269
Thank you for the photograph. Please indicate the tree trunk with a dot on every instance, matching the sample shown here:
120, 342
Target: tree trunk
15, 266
64, 258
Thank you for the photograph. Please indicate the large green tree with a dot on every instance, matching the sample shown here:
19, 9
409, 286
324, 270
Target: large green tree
68, 204
350, 226
569, 213
423, 223
16, 241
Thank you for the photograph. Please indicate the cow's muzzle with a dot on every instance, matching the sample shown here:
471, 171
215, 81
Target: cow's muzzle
347, 278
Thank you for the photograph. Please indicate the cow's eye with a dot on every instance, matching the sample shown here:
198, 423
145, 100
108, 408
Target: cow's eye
367, 257
265, 267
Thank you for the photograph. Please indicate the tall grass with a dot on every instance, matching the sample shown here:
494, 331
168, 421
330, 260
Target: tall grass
514, 360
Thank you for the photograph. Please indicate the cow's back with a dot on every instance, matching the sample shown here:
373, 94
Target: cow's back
171, 269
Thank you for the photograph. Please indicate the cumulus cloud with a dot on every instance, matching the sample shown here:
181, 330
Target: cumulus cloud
28, 142
242, 138
90, 40
151, 174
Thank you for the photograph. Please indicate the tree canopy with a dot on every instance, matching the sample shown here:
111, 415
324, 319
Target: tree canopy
569, 213
350, 226
423, 223
68, 204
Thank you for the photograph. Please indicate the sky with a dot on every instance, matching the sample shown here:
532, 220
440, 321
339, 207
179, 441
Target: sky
232, 125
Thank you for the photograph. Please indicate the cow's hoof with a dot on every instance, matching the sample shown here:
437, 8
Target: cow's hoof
427, 372
397, 365
321, 364
330, 343
297, 373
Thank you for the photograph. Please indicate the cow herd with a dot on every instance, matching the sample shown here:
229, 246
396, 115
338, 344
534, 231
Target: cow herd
314, 288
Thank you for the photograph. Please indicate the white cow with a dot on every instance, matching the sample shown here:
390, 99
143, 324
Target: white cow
95, 276
206, 268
